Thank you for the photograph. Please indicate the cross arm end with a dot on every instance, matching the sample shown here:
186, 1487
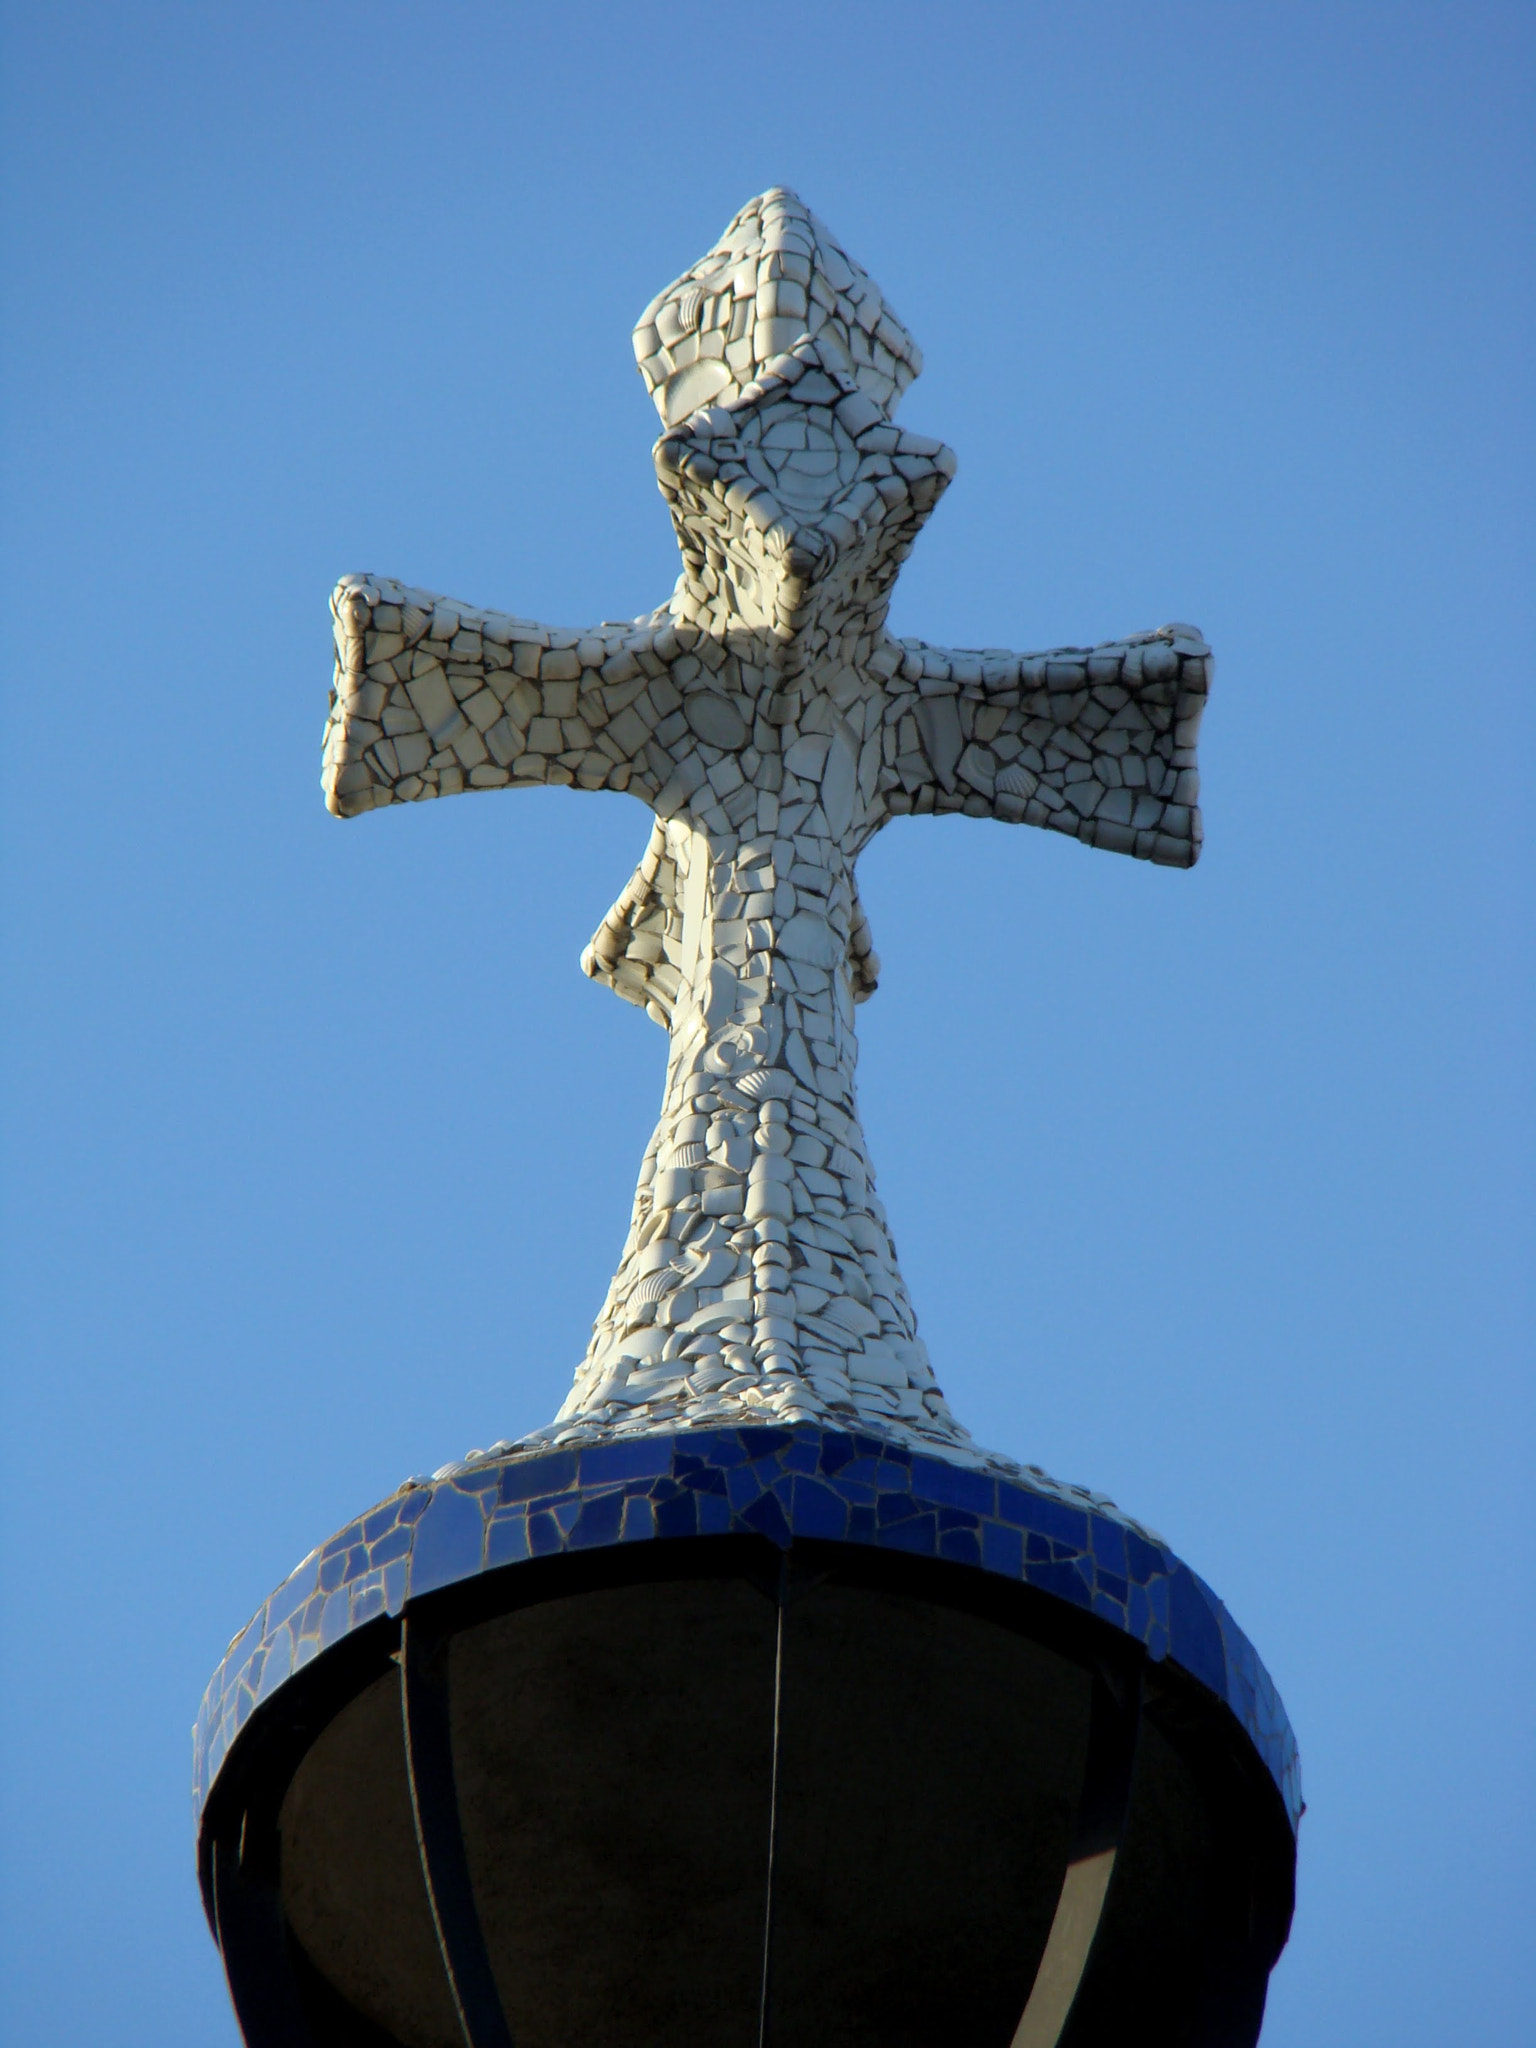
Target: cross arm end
1095, 742
431, 697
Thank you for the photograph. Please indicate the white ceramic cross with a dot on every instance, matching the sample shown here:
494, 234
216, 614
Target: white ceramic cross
772, 726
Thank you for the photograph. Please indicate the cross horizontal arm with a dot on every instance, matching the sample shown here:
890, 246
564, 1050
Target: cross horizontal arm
432, 697
1098, 742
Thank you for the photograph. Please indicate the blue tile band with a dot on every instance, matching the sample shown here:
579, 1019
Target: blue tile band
780, 1483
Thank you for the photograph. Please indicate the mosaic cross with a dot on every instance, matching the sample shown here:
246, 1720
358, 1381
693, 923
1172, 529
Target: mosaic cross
772, 725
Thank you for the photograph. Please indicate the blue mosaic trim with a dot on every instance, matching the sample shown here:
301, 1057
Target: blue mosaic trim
778, 1483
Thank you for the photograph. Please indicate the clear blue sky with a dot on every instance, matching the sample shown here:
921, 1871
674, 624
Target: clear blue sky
1212, 1189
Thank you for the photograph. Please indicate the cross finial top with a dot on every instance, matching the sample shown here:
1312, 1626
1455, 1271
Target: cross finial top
775, 275
772, 726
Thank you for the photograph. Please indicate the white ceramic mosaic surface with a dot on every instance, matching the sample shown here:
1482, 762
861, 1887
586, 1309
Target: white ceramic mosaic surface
771, 724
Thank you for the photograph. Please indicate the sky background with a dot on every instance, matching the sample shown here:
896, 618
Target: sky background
1211, 1188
